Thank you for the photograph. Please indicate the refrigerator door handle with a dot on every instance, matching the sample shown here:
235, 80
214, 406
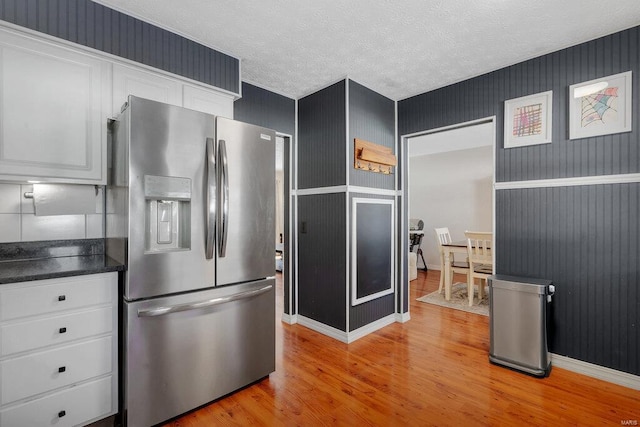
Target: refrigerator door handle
161, 311
223, 219
211, 198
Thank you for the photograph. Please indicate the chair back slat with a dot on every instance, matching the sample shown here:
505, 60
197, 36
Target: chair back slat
442, 235
479, 247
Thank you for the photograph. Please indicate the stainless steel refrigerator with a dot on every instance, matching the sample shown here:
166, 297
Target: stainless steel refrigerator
191, 211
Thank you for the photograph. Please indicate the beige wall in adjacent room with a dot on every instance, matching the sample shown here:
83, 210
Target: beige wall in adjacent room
451, 189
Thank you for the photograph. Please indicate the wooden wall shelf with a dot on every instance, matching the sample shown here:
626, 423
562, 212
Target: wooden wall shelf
373, 157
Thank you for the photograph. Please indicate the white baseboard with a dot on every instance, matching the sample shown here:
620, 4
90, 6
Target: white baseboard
596, 371
289, 319
434, 267
323, 329
402, 317
342, 336
371, 327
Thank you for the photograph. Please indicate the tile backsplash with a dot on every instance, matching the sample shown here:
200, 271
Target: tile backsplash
18, 223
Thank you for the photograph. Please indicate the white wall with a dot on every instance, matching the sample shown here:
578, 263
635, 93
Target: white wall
451, 189
18, 223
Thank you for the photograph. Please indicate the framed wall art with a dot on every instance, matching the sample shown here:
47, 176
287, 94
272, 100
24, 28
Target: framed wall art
600, 107
527, 120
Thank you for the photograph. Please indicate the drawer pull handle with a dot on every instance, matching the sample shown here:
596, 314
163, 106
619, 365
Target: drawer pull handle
61, 414
61, 369
62, 297
62, 330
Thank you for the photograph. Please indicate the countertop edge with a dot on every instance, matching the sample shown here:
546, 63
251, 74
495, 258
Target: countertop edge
33, 272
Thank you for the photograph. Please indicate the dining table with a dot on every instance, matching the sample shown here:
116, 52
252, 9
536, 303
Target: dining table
449, 249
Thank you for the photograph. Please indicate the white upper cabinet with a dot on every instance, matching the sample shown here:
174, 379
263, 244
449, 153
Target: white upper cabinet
52, 112
208, 101
133, 81
56, 98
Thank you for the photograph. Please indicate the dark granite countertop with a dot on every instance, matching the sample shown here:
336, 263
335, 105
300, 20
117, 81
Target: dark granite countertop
21, 263
49, 268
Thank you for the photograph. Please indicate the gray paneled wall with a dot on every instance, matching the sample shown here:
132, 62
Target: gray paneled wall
322, 258
585, 238
264, 108
321, 134
370, 311
372, 118
322, 155
96, 26
403, 262
485, 95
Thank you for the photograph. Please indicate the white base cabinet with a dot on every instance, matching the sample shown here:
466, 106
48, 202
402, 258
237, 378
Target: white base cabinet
58, 351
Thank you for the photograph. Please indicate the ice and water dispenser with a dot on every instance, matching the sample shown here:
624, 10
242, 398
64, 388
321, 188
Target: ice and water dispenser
167, 213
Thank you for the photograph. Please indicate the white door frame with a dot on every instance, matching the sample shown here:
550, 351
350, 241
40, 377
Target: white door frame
289, 229
404, 176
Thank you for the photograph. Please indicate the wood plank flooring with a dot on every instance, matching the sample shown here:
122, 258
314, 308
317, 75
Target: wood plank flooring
432, 370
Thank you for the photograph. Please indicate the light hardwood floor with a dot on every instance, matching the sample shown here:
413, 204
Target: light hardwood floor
432, 370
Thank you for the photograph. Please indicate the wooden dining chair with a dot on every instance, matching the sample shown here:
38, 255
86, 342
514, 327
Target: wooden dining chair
480, 260
443, 237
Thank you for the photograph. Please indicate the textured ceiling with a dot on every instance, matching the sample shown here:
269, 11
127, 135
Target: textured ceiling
398, 48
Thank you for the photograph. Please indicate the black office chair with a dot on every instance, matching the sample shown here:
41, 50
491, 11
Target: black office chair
415, 239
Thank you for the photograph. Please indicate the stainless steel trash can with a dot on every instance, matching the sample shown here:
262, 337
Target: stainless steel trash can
518, 323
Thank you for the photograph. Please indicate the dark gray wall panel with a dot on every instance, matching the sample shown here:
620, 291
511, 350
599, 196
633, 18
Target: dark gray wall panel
372, 118
563, 234
264, 108
96, 26
322, 259
484, 96
288, 257
585, 239
370, 311
403, 248
321, 135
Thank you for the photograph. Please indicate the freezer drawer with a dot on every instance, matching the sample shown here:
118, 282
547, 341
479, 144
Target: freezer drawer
187, 350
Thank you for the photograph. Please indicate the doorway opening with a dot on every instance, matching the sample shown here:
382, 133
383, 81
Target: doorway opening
280, 205
450, 178
284, 238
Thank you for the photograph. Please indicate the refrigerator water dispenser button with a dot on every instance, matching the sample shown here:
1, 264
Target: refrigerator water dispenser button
167, 226
164, 223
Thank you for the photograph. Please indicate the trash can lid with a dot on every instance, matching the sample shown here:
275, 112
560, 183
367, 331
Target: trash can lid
522, 284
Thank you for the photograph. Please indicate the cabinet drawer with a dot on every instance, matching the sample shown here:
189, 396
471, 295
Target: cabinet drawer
80, 404
24, 336
50, 296
47, 370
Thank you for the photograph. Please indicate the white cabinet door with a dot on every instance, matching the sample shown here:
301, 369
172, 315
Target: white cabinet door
52, 112
208, 101
131, 81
